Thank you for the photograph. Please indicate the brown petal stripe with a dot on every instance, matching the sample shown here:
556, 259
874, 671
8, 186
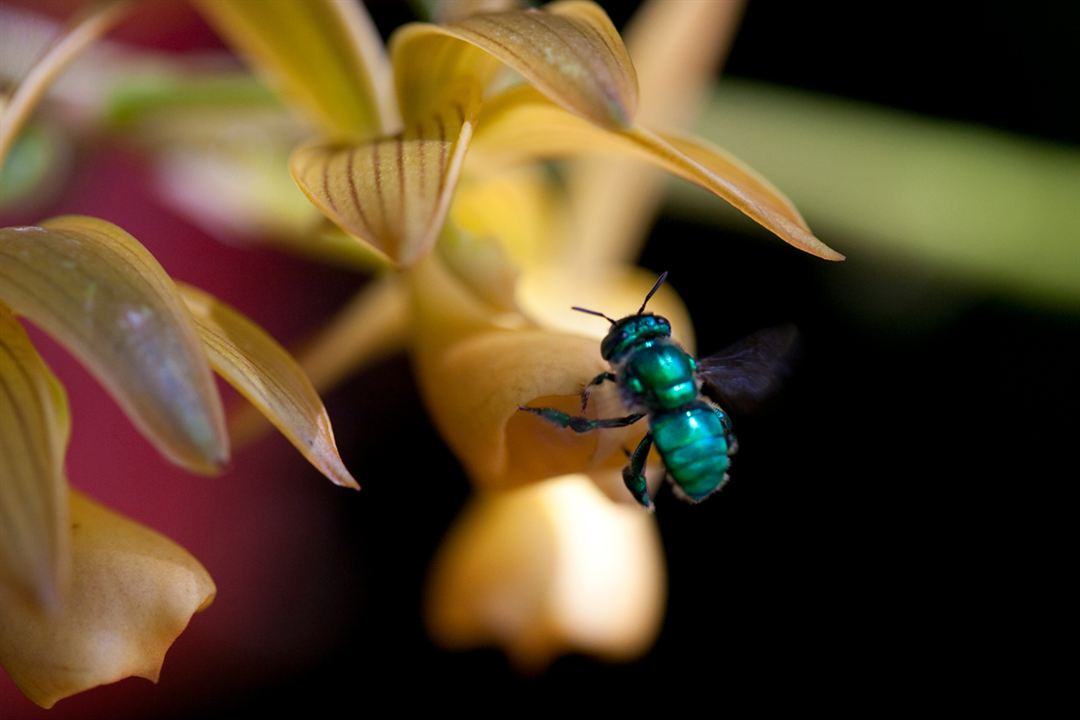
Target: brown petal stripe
392, 193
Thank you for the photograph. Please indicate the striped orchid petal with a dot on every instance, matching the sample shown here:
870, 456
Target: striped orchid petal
132, 592
100, 293
569, 50
34, 539
392, 193
264, 372
521, 126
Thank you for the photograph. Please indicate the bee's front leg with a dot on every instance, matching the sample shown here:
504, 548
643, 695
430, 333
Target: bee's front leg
598, 380
634, 473
581, 424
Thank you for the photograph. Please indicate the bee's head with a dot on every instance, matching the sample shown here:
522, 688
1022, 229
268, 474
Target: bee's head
630, 331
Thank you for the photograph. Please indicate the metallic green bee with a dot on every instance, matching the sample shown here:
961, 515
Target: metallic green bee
660, 380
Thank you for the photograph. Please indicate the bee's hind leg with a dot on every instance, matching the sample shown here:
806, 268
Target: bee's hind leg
578, 423
634, 473
598, 380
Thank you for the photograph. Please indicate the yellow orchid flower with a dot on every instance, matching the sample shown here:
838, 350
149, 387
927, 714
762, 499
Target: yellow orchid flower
437, 178
86, 596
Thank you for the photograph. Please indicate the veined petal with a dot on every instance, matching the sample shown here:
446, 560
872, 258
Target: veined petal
102, 295
83, 30
264, 372
475, 374
325, 55
375, 323
548, 569
521, 125
393, 193
676, 47
34, 541
569, 50
132, 593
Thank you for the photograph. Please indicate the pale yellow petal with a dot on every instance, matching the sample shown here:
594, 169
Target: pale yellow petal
476, 369
34, 542
392, 193
569, 50
102, 295
374, 324
324, 55
82, 31
264, 372
132, 593
521, 126
519, 209
549, 569
676, 47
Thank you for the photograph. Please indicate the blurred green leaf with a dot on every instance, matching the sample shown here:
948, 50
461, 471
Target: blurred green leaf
983, 205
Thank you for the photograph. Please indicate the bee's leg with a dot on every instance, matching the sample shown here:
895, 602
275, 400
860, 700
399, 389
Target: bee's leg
634, 473
581, 424
598, 380
725, 420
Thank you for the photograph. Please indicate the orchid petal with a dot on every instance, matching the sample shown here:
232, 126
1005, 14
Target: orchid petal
102, 295
444, 11
325, 55
393, 193
569, 50
522, 126
676, 47
374, 324
82, 32
475, 374
264, 372
132, 593
34, 542
549, 569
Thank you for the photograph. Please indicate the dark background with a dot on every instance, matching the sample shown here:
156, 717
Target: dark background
890, 528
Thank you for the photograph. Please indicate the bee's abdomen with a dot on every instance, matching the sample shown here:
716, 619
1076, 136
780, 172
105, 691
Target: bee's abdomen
694, 445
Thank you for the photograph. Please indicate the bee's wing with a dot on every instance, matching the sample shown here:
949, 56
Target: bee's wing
751, 370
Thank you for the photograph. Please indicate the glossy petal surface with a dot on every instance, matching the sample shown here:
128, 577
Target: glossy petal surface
34, 547
101, 294
264, 372
132, 593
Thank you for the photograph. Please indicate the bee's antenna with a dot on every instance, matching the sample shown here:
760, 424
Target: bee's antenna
593, 312
659, 282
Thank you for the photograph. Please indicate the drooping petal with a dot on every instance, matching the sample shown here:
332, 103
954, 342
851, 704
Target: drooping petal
83, 30
101, 294
475, 373
372, 325
393, 193
549, 569
676, 47
569, 50
521, 125
34, 541
264, 372
325, 55
132, 593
